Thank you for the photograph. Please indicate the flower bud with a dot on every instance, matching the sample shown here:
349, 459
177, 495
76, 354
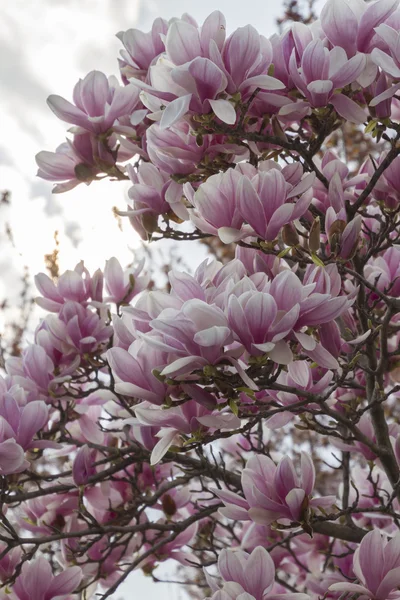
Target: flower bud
314, 237
169, 505
335, 234
290, 236
83, 466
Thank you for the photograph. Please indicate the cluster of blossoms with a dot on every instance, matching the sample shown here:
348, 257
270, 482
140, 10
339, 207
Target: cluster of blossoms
246, 414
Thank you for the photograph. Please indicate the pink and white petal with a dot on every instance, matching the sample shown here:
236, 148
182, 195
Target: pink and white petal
348, 109
349, 72
228, 235
375, 13
224, 110
281, 354
250, 206
259, 572
385, 62
264, 82
200, 396
302, 186
66, 111
300, 373
182, 42
169, 437
66, 582
184, 365
294, 501
266, 347
339, 24
280, 217
213, 336
350, 587
307, 341
261, 516
175, 111
322, 357
307, 473
390, 582
279, 420
389, 93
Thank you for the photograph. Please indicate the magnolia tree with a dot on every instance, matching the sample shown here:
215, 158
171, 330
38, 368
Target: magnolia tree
245, 422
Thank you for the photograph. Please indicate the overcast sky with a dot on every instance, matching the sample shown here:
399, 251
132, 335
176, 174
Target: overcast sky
46, 45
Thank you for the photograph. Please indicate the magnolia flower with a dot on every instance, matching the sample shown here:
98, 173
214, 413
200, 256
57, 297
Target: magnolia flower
351, 25
72, 163
77, 285
274, 492
248, 577
141, 49
123, 285
98, 103
301, 377
323, 71
376, 564
187, 419
83, 465
196, 335
263, 199
133, 371
37, 581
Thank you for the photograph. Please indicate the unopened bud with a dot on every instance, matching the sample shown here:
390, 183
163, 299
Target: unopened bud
150, 222
169, 505
350, 238
314, 237
277, 129
290, 236
83, 466
335, 234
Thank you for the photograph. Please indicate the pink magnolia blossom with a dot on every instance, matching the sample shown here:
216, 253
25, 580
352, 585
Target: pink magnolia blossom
72, 163
98, 102
9, 562
377, 567
176, 151
42, 515
133, 371
200, 65
384, 272
77, 329
300, 376
195, 335
274, 492
390, 64
248, 577
141, 49
265, 201
324, 71
83, 466
253, 316
77, 285
387, 189
216, 203
351, 25
187, 419
262, 198
123, 285
37, 582
12, 457
152, 194
20, 421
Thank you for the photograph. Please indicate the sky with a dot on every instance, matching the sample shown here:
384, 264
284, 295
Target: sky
46, 46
